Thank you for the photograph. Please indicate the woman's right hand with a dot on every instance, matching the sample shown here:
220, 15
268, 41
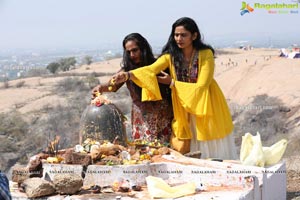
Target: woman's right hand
98, 89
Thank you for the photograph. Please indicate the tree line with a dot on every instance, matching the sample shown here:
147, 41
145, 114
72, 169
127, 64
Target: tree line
64, 64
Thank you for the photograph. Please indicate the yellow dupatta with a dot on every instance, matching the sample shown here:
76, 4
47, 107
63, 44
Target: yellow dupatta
203, 99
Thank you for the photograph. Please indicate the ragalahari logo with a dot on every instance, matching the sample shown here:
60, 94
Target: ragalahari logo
246, 8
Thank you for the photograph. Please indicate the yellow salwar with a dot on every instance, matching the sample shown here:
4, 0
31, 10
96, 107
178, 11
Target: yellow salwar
203, 100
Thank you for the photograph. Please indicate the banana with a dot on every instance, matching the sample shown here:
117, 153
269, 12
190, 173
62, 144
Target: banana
253, 153
275, 152
256, 156
246, 147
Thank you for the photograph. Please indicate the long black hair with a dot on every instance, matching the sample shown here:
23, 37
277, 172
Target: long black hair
147, 56
172, 48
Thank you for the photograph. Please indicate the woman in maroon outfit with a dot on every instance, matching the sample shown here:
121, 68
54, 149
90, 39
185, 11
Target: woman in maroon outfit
151, 120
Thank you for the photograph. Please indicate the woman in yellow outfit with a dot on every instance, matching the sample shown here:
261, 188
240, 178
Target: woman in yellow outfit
201, 114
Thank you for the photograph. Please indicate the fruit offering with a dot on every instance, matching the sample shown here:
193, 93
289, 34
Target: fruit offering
155, 143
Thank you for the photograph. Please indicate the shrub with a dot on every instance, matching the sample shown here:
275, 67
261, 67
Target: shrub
38, 72
20, 84
87, 60
92, 80
66, 63
71, 84
53, 67
5, 83
13, 127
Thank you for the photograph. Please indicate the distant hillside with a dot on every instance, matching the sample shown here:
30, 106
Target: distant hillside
34, 110
262, 90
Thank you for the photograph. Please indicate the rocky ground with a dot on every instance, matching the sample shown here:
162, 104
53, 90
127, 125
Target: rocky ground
293, 178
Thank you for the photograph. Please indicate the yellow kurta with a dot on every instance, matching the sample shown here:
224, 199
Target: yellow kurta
203, 99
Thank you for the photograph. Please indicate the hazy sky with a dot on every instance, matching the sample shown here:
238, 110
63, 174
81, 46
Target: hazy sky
84, 23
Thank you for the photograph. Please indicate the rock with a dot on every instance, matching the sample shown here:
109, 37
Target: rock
195, 154
20, 174
51, 170
112, 160
102, 123
113, 150
35, 163
37, 187
72, 157
67, 183
284, 109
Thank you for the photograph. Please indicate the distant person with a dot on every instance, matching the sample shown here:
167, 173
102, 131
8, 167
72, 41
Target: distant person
4, 188
202, 119
150, 120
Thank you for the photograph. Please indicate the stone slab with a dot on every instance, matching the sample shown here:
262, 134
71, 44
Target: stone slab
50, 170
270, 183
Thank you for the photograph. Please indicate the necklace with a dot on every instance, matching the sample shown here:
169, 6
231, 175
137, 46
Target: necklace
190, 65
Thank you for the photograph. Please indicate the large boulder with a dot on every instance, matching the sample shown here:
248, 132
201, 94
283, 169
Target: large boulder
37, 187
105, 122
20, 174
67, 183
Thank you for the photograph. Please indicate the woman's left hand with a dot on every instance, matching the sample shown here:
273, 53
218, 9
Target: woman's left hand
164, 78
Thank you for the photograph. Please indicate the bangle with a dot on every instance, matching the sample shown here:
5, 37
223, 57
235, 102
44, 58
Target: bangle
172, 83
